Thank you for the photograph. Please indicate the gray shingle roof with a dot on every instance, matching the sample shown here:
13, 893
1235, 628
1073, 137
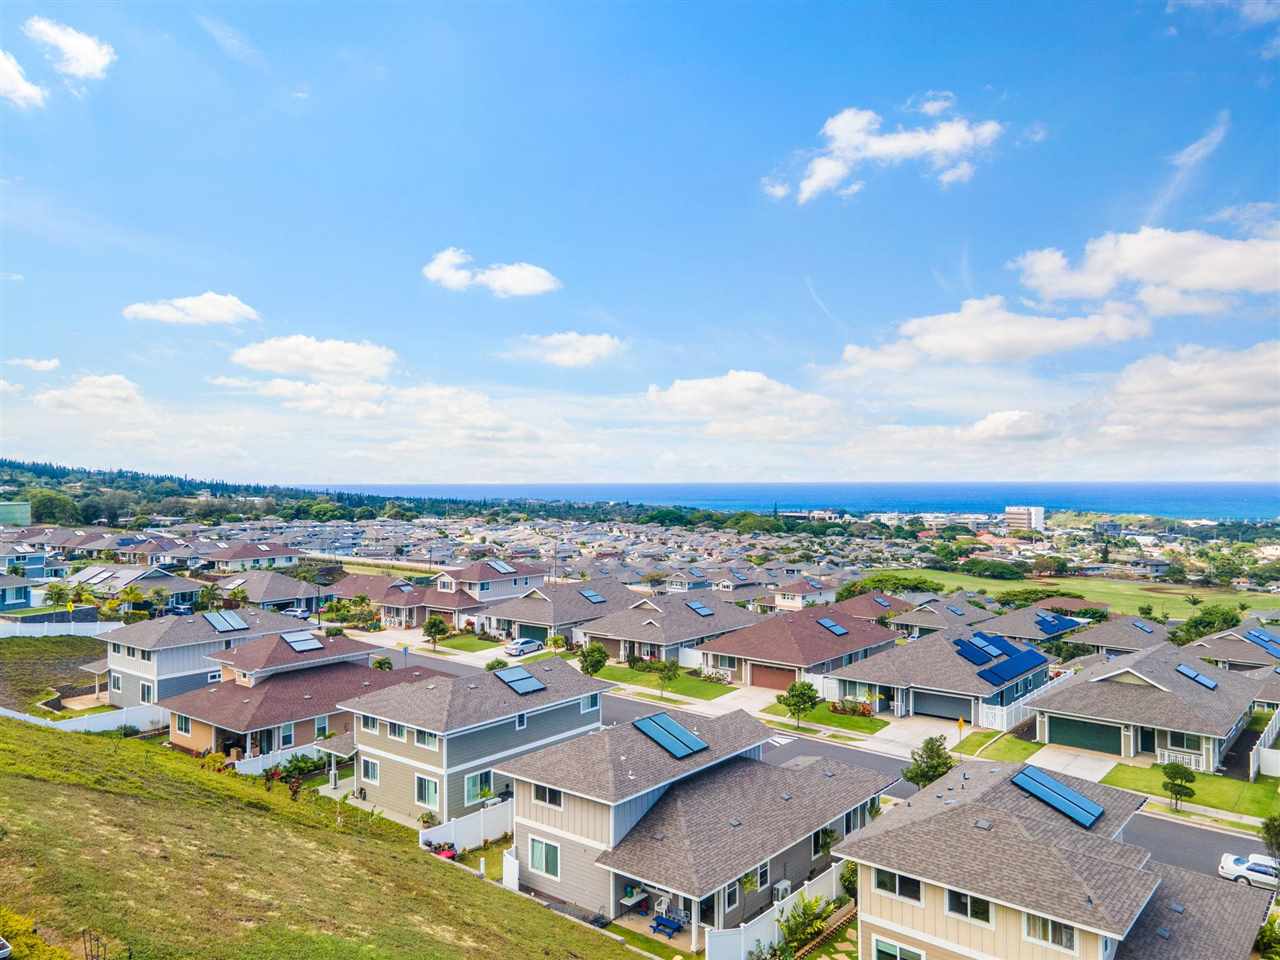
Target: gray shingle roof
666, 618
268, 586
617, 762
1119, 633
178, 631
689, 842
935, 615
559, 604
442, 704
1024, 624
1231, 645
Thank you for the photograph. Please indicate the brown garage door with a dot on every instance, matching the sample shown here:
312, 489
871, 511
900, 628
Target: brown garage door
776, 678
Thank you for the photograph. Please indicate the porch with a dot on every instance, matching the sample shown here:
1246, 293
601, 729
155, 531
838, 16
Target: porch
681, 942
347, 787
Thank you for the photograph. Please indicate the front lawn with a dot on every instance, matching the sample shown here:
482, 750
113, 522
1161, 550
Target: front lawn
470, 643
1258, 722
974, 742
1258, 799
823, 714
548, 654
686, 685
790, 727
1010, 749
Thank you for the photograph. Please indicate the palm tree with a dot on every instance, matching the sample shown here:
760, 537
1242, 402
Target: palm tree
239, 595
435, 629
209, 596
56, 594
131, 595
158, 599
79, 593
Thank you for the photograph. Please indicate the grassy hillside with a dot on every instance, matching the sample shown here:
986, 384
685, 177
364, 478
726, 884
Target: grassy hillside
138, 843
1123, 596
29, 666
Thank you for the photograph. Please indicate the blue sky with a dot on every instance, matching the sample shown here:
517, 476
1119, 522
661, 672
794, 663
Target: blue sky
705, 242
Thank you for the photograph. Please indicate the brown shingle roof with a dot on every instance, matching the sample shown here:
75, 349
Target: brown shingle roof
866, 606
273, 651
799, 640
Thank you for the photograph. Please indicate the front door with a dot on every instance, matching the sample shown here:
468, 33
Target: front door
266, 740
707, 911
1146, 740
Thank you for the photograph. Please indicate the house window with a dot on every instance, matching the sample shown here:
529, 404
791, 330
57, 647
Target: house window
898, 885
214, 676
815, 844
322, 727
426, 791
184, 724
1052, 932
226, 643
886, 950
762, 876
146, 694
522, 721
115, 682
590, 702
726, 663
731, 896
368, 723
146, 656
131, 652
115, 648
848, 822
425, 738
368, 770
1183, 741
484, 587
395, 730
477, 786
544, 857
967, 906
286, 735
548, 796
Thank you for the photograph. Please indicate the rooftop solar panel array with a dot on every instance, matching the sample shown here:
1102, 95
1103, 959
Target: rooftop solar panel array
233, 620
670, 734
520, 680
882, 601
830, 625
1009, 670
971, 653
592, 596
956, 610
215, 619
302, 641
1265, 640
1070, 803
1140, 625
1051, 623
1004, 645
698, 607
501, 566
1192, 674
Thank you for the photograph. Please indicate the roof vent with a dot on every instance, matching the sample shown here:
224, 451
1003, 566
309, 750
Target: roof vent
245, 700
735, 822
828, 773
473, 686
306, 696
1177, 907
786, 796
982, 824
1164, 933
365, 684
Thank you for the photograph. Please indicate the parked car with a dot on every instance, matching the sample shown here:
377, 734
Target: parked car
518, 648
1256, 870
302, 613
5, 950
183, 609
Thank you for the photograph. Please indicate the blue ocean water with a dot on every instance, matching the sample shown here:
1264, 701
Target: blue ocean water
1213, 501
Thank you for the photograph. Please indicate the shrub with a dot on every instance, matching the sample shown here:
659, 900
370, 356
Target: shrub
20, 932
805, 920
333, 631
849, 878
497, 663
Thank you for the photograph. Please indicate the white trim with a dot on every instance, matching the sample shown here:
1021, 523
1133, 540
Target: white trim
391, 734
897, 946
434, 746
213, 677
522, 721
547, 803
583, 702
1114, 673
524, 748
1073, 951
315, 727
989, 924
178, 718
293, 736
933, 941
116, 684
546, 843
732, 885
417, 802
383, 754
377, 723
479, 799
377, 771
564, 835
147, 692
496, 721
895, 895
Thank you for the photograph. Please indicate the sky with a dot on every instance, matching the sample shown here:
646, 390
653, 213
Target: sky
642, 242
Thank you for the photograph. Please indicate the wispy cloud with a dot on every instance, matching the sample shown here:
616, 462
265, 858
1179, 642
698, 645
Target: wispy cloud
1185, 163
78, 55
232, 42
15, 87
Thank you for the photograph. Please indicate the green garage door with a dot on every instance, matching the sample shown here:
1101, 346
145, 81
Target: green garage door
941, 705
530, 632
1083, 734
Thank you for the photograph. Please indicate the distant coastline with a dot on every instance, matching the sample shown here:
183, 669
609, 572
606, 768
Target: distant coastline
1185, 501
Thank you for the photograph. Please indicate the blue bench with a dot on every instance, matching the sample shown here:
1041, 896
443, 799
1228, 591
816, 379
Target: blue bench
666, 925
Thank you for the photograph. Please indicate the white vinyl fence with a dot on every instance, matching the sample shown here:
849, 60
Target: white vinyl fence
1262, 758
763, 931
690, 657
511, 869
1006, 718
145, 717
473, 830
13, 628
252, 766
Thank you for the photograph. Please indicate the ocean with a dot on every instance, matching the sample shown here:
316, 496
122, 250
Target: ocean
1211, 501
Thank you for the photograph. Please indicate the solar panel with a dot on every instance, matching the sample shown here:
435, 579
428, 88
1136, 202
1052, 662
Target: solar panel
234, 620
216, 621
1052, 623
1016, 666
232, 584
1005, 646
831, 626
740, 575
520, 680
1071, 803
956, 610
669, 735
698, 607
679, 731
991, 677
881, 600
501, 566
990, 649
1144, 627
301, 641
971, 653
1207, 682
104, 575
1259, 638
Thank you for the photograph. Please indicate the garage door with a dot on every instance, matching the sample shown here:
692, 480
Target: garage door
1083, 734
775, 678
531, 632
942, 705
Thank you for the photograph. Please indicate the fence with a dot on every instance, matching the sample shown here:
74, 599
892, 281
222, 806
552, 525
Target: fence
473, 830
1006, 718
252, 766
690, 657
144, 716
12, 628
762, 931
511, 869
1262, 758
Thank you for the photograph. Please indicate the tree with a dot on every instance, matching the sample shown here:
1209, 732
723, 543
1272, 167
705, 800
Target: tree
1211, 618
1049, 566
891, 581
209, 596
800, 698
929, 762
435, 630
1026, 596
592, 658
239, 595
556, 642
56, 594
1271, 836
382, 663
1145, 610
668, 673
1177, 778
497, 663
49, 506
130, 596
158, 598
1193, 599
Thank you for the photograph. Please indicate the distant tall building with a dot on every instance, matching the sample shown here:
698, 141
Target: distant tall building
1024, 518
15, 513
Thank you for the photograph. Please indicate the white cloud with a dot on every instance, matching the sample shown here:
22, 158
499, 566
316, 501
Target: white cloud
853, 137
11, 277
231, 41
34, 364
79, 55
962, 172
8, 389
1258, 219
1012, 425
448, 269
206, 309
1185, 163
1038, 132
1252, 13
775, 189
932, 103
567, 349
14, 85
321, 359
341, 399
98, 396
1170, 302
1183, 260
744, 403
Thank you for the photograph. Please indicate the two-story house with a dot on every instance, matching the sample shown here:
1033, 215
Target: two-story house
675, 814
15, 592
22, 559
1000, 861
433, 745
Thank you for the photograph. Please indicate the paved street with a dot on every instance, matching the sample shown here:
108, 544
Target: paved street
1185, 846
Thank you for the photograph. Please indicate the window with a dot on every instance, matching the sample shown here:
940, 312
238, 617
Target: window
286, 735
1183, 741
484, 586
731, 896
427, 739
131, 652
885, 950
322, 727
184, 724
213, 676
547, 795
590, 702
762, 876
477, 786
115, 648
368, 723
1051, 931
368, 770
146, 656
726, 663
146, 694
115, 682
226, 643
522, 721
544, 858
896, 884
426, 791
972, 908
395, 730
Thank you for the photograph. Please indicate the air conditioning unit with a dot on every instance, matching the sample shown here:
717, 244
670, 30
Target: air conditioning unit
781, 890
360, 794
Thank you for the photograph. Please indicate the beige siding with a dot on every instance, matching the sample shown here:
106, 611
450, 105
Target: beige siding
1003, 938
579, 817
401, 748
198, 741
582, 881
394, 790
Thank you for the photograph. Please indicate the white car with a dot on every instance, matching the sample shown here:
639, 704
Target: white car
1256, 870
301, 613
518, 648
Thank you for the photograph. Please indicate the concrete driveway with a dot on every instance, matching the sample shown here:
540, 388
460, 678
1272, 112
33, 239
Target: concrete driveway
1085, 764
908, 733
750, 699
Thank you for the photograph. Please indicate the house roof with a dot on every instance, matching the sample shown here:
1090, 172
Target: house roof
269, 586
1031, 623
7, 580
482, 570
1232, 645
667, 618
446, 703
1031, 856
121, 576
617, 762
369, 585
1167, 699
555, 604
797, 639
1119, 633
938, 614
179, 631
243, 550
871, 606
710, 828
274, 652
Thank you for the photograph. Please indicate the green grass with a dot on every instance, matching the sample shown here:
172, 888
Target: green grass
470, 643
1199, 818
548, 654
655, 697
31, 666
1258, 722
822, 714
491, 853
974, 742
848, 934
685, 685
104, 833
1258, 799
34, 611
381, 571
841, 738
1010, 749
790, 727
648, 944
1122, 596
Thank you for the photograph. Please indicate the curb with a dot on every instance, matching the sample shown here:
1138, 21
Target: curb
1182, 821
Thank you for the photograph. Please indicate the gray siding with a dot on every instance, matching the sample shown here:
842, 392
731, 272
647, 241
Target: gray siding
130, 693
627, 814
498, 738
172, 686
581, 881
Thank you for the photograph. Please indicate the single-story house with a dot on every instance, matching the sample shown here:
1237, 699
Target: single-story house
110, 580
15, 592
1248, 646
658, 627
1033, 624
874, 605
1120, 635
276, 591
941, 614
234, 557
557, 608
